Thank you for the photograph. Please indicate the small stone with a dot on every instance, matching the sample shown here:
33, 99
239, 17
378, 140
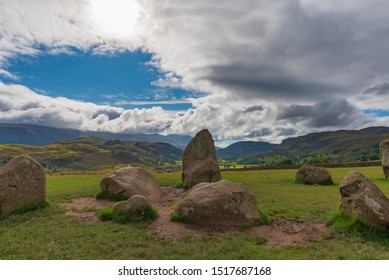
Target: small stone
133, 205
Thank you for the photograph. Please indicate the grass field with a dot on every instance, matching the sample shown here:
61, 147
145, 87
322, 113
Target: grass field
49, 234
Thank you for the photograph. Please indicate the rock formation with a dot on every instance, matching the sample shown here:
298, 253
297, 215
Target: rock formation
363, 200
313, 175
129, 181
199, 162
219, 203
22, 183
384, 147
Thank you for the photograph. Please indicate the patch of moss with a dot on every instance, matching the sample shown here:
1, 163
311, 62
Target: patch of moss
178, 217
110, 196
145, 216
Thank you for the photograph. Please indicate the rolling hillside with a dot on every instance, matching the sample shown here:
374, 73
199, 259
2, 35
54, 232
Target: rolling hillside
94, 153
245, 149
345, 145
36, 135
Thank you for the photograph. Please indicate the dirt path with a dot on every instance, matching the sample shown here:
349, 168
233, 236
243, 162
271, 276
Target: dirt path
279, 233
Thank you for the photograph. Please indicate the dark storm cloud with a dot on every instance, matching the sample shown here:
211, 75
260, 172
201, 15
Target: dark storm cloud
259, 133
267, 82
286, 131
379, 89
255, 108
330, 113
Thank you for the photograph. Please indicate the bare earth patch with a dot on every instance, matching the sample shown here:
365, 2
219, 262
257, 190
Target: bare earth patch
84, 208
279, 233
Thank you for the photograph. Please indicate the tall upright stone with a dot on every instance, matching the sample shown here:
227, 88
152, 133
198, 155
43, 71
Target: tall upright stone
199, 162
22, 183
384, 147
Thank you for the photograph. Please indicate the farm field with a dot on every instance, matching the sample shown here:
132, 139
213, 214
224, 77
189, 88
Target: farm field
50, 234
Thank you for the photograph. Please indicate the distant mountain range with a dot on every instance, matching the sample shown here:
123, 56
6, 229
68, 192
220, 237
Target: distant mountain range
245, 149
344, 145
91, 153
36, 135
341, 145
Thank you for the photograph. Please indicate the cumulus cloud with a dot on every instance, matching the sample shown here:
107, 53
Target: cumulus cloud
19, 104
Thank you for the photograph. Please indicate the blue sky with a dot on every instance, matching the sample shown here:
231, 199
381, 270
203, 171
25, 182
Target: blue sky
114, 79
252, 70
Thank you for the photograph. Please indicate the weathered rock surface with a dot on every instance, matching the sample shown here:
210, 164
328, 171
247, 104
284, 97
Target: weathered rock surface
130, 181
313, 175
22, 183
199, 162
134, 205
384, 147
219, 203
363, 200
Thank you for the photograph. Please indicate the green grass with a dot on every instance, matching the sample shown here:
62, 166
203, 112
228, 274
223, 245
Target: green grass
49, 234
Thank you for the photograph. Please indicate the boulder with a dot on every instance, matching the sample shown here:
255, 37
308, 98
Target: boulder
134, 205
199, 162
129, 181
313, 175
22, 183
219, 203
384, 147
363, 200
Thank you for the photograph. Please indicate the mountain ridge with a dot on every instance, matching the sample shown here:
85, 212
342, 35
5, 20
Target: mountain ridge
37, 135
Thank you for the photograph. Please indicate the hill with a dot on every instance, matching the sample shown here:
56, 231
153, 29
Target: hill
91, 153
245, 149
331, 146
35, 135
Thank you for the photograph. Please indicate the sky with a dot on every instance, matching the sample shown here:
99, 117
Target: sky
259, 70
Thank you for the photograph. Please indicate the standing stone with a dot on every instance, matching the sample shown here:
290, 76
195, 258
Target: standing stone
22, 183
384, 147
220, 203
363, 200
129, 181
313, 175
199, 162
